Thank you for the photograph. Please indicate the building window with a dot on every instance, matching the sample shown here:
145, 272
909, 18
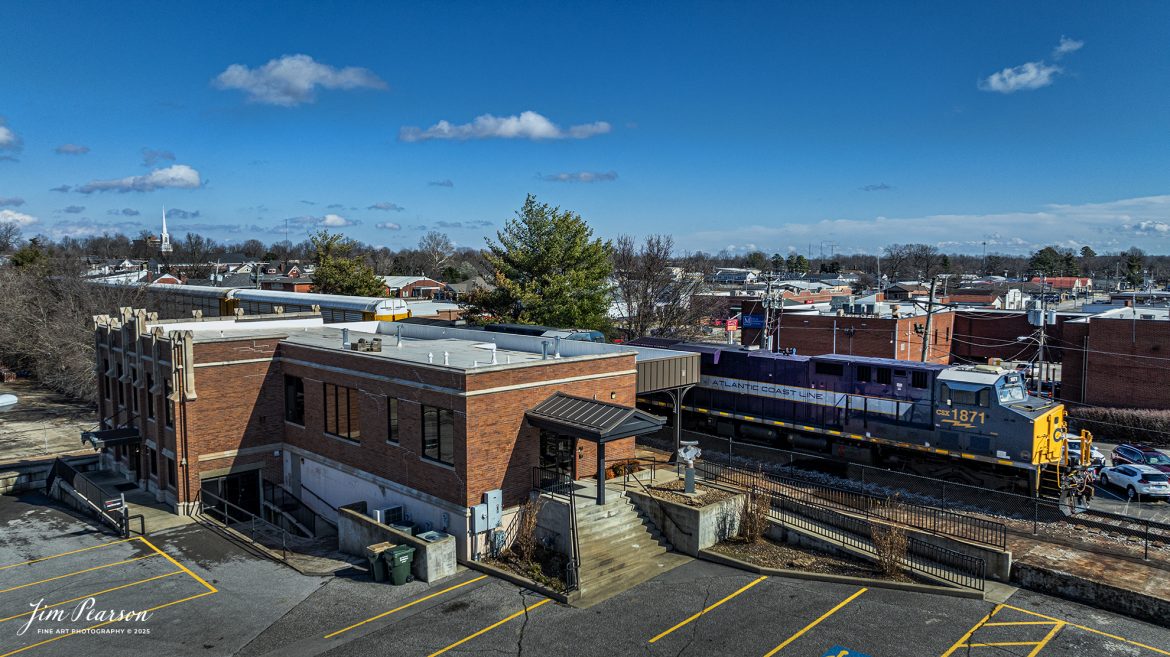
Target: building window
133, 390
105, 378
172, 479
341, 411
152, 456
392, 420
918, 379
168, 406
294, 400
121, 389
883, 376
149, 396
439, 434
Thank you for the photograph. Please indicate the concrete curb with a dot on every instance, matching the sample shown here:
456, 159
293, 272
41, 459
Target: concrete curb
517, 580
839, 579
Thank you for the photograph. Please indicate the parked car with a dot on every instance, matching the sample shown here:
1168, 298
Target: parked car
1141, 455
1096, 457
1137, 480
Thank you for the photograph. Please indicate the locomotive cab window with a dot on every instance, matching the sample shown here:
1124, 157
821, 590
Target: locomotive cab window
830, 369
978, 397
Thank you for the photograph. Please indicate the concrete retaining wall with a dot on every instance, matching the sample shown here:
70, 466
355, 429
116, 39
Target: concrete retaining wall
356, 531
689, 528
552, 526
31, 475
1098, 594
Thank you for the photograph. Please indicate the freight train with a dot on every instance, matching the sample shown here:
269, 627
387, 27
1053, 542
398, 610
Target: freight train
971, 424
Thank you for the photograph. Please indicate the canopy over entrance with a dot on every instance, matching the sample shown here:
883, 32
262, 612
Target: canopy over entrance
111, 437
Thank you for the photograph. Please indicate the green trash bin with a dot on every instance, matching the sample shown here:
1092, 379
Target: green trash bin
374, 555
400, 558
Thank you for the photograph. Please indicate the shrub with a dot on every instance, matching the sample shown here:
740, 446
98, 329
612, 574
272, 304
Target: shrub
753, 518
891, 544
525, 544
1123, 425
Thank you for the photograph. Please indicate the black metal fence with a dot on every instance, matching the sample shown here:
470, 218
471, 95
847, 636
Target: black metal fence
926, 518
106, 507
920, 557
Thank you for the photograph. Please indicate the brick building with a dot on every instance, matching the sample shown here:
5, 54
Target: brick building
429, 418
1117, 358
980, 335
879, 337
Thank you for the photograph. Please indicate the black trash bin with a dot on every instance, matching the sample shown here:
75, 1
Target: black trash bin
400, 558
374, 555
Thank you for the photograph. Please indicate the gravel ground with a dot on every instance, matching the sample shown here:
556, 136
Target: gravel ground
770, 554
671, 492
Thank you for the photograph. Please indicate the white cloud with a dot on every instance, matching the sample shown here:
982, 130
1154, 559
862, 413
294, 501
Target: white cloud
293, 80
1066, 46
582, 176
8, 138
18, 218
336, 221
71, 149
14, 201
387, 207
1113, 225
86, 227
151, 156
388, 225
177, 176
74, 209
526, 125
1029, 75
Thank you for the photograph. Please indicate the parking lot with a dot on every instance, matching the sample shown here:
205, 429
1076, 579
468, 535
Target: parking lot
206, 596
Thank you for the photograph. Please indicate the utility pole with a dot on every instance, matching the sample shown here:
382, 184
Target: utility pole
1043, 335
767, 315
929, 312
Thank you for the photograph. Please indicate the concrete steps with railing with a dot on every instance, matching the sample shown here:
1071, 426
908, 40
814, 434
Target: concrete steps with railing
619, 549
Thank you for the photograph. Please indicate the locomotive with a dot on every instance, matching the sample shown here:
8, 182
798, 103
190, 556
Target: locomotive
972, 424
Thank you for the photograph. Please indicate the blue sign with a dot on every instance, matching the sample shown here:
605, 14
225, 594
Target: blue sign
753, 321
838, 651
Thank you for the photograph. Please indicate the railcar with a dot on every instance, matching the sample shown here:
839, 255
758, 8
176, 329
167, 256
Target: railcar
973, 424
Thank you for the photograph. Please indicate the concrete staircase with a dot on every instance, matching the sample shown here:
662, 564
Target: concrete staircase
620, 548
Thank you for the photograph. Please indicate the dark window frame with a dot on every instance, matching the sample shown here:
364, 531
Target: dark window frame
168, 405
864, 374
351, 429
919, 379
438, 424
149, 396
884, 376
172, 474
392, 419
829, 369
294, 399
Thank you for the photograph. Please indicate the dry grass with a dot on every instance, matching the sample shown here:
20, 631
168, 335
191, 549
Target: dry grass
753, 518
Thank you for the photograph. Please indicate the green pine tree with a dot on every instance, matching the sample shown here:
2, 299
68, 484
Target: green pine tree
549, 269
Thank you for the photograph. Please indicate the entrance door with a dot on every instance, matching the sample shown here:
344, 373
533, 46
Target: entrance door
134, 460
556, 453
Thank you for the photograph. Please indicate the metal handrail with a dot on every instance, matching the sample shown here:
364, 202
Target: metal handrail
653, 474
562, 484
199, 499
324, 501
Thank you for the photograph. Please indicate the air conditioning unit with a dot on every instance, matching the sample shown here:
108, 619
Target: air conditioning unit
390, 515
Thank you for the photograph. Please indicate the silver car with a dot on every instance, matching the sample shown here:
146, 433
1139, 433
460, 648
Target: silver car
1137, 480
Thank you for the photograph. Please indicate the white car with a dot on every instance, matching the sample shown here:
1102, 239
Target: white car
1137, 480
1096, 457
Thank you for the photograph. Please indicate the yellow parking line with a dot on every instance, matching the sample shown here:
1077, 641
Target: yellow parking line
1000, 643
1048, 637
79, 572
967, 635
94, 627
409, 604
54, 556
813, 624
1081, 627
484, 630
1018, 623
741, 590
177, 565
94, 595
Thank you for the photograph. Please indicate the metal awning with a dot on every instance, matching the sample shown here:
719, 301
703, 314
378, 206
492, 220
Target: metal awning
111, 437
590, 419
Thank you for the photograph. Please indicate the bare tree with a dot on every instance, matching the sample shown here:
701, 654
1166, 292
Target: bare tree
653, 296
437, 249
9, 236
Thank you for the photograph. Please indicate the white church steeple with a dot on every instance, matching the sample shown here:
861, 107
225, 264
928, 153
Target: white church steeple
165, 244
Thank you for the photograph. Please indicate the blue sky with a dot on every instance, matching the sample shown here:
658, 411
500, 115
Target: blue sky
751, 125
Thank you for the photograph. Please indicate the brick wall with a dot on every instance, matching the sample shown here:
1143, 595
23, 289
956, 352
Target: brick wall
983, 335
1116, 362
813, 335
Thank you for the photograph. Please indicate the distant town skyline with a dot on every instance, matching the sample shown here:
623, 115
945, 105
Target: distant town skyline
748, 126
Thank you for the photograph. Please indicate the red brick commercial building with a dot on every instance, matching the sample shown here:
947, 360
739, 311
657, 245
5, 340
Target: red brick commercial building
428, 418
980, 335
878, 337
1117, 359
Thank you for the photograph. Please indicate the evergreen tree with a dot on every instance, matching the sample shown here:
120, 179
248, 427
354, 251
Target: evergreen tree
549, 269
340, 273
